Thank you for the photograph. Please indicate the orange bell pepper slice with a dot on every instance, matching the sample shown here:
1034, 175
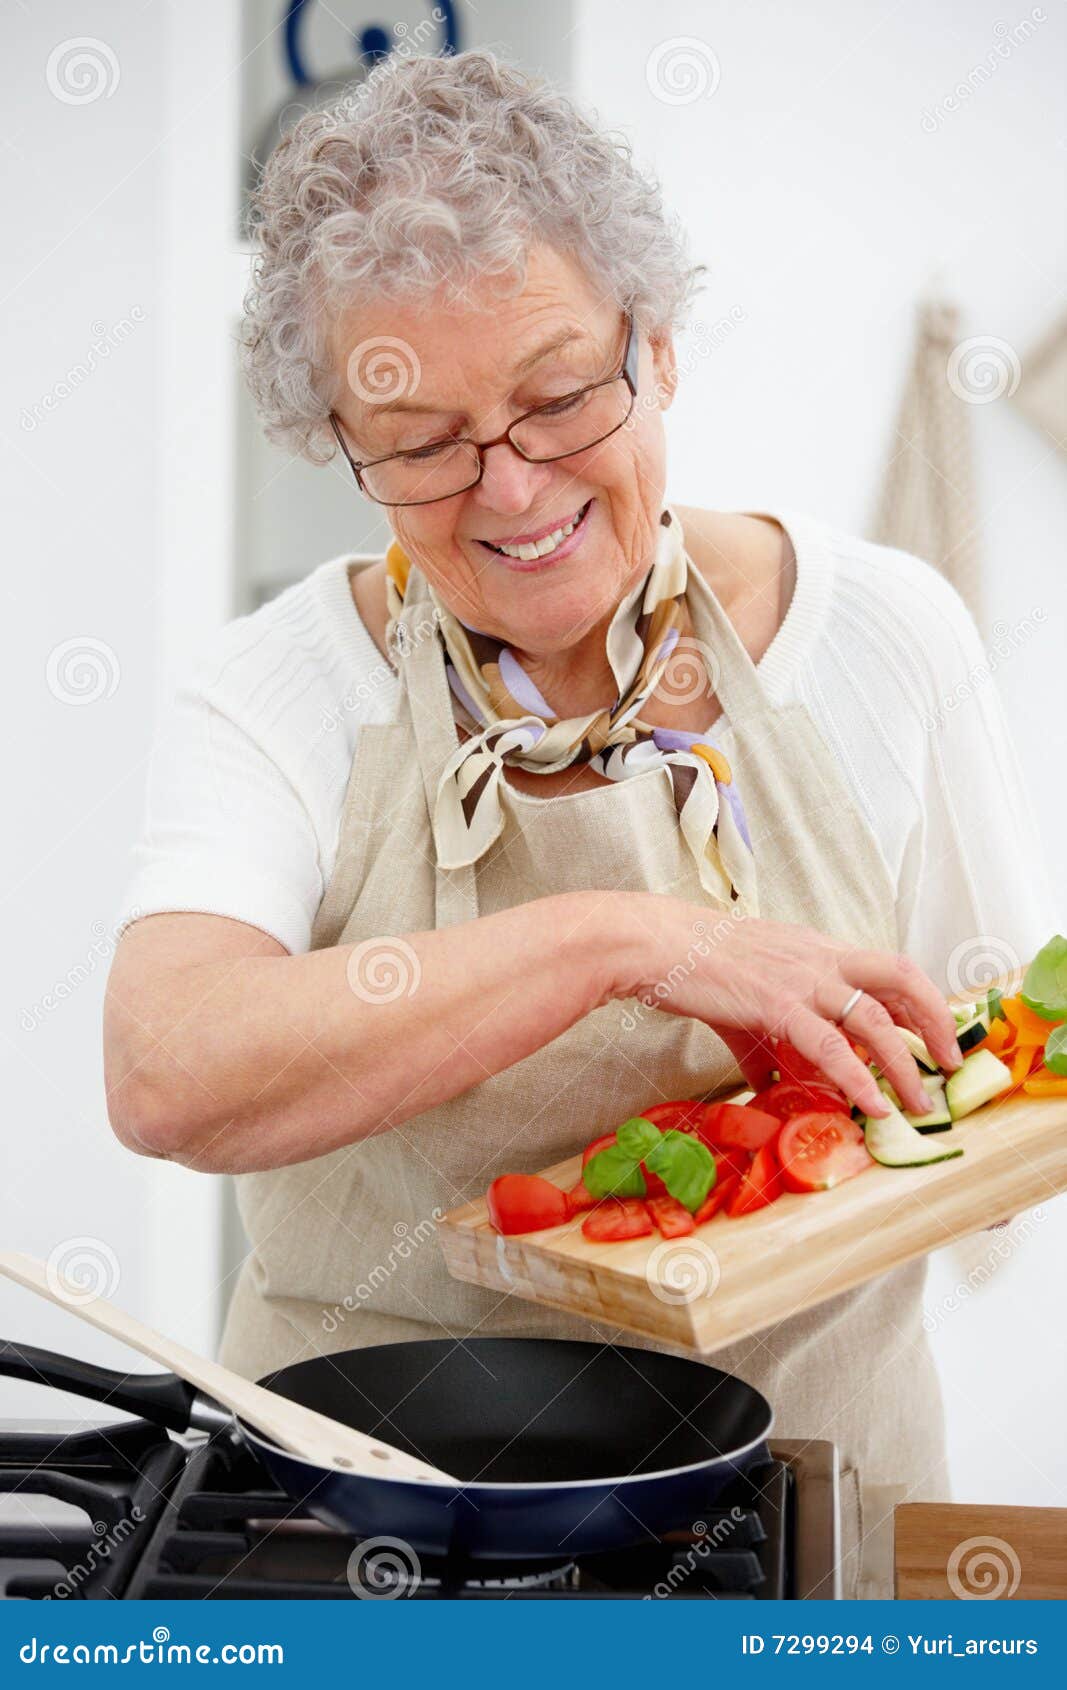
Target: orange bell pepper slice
1046, 1085
1023, 1060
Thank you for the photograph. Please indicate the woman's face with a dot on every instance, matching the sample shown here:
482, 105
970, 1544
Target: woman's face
472, 381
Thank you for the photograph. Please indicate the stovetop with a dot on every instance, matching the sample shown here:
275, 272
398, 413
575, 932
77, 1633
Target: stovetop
125, 1511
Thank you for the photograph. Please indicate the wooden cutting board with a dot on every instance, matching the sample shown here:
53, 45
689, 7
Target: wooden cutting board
965, 1551
733, 1277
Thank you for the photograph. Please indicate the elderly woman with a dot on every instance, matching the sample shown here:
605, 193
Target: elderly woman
458, 857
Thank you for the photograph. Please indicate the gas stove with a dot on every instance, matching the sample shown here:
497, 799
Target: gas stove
125, 1510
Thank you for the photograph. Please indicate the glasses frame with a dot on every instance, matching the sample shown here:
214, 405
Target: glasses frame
627, 372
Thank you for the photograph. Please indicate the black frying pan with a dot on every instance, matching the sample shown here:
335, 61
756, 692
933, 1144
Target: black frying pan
562, 1447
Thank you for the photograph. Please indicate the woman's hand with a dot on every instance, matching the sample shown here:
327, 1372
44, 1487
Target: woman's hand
753, 980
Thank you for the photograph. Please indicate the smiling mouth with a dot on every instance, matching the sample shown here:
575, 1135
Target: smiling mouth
546, 545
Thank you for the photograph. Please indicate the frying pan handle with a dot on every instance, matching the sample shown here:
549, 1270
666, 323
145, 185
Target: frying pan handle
162, 1398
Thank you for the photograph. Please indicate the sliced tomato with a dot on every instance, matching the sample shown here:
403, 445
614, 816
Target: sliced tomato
718, 1198
820, 1149
654, 1186
760, 1186
671, 1217
578, 1198
525, 1203
684, 1116
787, 1097
736, 1162
737, 1126
616, 1218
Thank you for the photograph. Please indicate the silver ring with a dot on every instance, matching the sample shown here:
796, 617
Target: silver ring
852, 1002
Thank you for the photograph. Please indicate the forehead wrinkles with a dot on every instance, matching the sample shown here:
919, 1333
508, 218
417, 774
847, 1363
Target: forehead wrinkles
468, 372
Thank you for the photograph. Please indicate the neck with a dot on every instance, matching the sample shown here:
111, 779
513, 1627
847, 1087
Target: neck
576, 681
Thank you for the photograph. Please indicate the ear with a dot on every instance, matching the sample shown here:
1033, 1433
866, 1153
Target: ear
664, 367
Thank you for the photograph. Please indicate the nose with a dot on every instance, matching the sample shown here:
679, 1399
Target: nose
509, 484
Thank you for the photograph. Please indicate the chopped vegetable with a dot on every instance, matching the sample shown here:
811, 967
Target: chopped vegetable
525, 1203
736, 1126
1045, 1085
579, 1197
685, 1115
718, 1198
894, 1142
760, 1186
614, 1220
671, 1217
1044, 988
981, 1078
786, 1098
821, 1149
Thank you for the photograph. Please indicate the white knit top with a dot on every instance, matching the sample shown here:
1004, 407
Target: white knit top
250, 767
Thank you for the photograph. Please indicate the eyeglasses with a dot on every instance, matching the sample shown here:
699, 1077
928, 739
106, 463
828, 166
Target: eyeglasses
570, 424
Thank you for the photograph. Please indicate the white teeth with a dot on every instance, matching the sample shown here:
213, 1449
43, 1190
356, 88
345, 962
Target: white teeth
540, 548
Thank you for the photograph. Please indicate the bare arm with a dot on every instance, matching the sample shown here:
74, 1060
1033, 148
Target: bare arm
227, 1054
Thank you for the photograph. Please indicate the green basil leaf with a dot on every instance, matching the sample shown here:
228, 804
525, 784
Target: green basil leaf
1045, 984
613, 1172
1056, 1050
637, 1137
686, 1167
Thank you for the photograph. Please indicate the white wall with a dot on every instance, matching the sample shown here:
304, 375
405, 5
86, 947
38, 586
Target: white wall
823, 207
96, 439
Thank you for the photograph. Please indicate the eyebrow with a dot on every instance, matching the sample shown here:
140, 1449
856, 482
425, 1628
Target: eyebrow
565, 337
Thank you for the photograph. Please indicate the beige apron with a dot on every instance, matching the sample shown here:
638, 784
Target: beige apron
342, 1247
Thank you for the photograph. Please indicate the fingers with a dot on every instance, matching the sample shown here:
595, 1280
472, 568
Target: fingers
826, 1045
898, 979
872, 1024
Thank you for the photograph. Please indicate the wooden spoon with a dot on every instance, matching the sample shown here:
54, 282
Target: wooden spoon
302, 1431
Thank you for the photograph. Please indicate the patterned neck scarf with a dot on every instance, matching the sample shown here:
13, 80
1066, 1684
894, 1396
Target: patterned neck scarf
509, 722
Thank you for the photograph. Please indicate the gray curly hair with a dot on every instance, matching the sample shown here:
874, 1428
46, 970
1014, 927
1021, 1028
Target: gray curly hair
432, 174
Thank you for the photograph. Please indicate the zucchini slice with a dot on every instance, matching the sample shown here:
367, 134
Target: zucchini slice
972, 1032
893, 1141
982, 1077
937, 1118
919, 1051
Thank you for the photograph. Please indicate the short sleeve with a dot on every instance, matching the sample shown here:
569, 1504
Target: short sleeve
225, 832
975, 898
